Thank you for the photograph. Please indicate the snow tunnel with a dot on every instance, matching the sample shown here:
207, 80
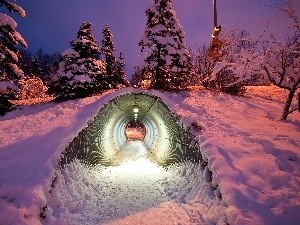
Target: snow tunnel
166, 139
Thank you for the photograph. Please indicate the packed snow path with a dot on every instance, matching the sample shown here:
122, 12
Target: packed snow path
132, 190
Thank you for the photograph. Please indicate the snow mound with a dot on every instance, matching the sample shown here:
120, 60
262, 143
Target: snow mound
254, 158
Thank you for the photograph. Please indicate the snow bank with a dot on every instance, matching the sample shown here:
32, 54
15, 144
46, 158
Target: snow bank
253, 155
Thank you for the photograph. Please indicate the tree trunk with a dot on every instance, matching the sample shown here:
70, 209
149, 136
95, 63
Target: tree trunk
157, 81
288, 104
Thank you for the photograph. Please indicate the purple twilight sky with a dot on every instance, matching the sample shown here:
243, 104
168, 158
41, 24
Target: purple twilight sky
52, 24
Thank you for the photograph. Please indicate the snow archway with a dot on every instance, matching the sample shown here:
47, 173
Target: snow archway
166, 139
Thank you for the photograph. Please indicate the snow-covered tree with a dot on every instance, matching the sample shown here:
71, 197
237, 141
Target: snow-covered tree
165, 54
120, 76
114, 68
45, 64
81, 72
25, 61
143, 77
202, 64
35, 66
48, 64
282, 60
282, 68
221, 75
278, 64
107, 50
10, 73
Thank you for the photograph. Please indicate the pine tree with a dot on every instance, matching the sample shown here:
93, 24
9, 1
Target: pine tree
80, 73
166, 54
114, 69
107, 49
120, 76
25, 61
35, 67
10, 73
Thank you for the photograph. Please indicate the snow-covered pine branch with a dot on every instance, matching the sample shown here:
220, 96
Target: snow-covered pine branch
10, 73
12, 7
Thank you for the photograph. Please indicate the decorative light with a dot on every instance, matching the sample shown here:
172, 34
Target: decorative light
136, 109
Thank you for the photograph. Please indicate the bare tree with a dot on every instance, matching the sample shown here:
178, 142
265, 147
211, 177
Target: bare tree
282, 60
281, 68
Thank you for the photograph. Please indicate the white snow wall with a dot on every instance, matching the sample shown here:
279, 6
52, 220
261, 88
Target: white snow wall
166, 138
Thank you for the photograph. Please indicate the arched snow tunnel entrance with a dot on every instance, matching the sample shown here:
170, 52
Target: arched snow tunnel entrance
166, 139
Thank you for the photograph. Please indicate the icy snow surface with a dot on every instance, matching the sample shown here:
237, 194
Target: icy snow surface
136, 191
254, 157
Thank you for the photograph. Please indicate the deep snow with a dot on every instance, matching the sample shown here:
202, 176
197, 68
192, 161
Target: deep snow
254, 157
132, 191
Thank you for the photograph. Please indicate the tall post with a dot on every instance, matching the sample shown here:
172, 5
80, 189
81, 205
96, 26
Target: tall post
217, 28
216, 43
215, 13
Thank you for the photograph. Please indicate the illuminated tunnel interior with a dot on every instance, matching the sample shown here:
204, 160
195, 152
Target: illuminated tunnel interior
166, 139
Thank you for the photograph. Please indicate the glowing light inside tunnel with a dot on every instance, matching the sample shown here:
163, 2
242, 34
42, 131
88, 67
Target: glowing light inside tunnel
135, 109
140, 167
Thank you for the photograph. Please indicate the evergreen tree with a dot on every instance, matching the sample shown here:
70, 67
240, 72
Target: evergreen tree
107, 50
120, 76
166, 54
10, 73
35, 67
143, 77
80, 73
114, 69
48, 64
25, 61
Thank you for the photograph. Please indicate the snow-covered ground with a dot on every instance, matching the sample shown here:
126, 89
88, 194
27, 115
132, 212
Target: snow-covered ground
136, 191
254, 157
